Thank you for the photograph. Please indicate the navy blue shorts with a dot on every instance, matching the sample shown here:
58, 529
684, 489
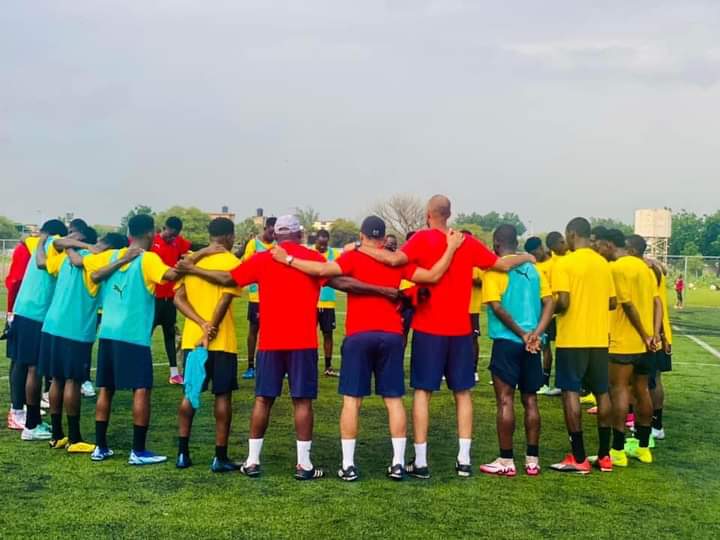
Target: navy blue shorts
368, 353
24, 341
62, 358
253, 313
434, 356
577, 368
407, 317
123, 366
515, 366
221, 368
326, 320
301, 367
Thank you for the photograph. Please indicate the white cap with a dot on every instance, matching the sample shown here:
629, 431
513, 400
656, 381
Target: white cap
287, 224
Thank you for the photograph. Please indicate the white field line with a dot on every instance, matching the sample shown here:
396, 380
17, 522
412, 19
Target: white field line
700, 343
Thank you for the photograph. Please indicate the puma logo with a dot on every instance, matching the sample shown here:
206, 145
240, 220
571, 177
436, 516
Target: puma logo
118, 289
523, 274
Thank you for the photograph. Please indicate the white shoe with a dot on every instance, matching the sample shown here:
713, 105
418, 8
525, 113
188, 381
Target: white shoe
552, 391
45, 401
477, 377
658, 434
36, 434
543, 390
87, 389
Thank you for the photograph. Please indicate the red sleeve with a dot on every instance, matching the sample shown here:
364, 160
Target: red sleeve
482, 257
346, 262
16, 272
184, 245
414, 248
408, 270
249, 271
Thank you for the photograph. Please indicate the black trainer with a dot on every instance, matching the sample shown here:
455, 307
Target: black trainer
313, 474
423, 473
396, 472
183, 461
348, 475
464, 471
251, 471
223, 465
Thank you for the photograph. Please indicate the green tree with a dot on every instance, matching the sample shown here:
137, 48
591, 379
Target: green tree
477, 231
245, 230
104, 229
687, 228
490, 221
307, 216
710, 240
8, 229
195, 222
138, 209
343, 232
610, 223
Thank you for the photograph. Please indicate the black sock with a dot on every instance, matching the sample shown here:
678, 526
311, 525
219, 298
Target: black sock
604, 441
657, 419
221, 452
533, 450
506, 454
74, 428
251, 364
328, 362
184, 445
631, 409
33, 416
578, 446
643, 436
57, 428
546, 376
101, 433
139, 436
618, 440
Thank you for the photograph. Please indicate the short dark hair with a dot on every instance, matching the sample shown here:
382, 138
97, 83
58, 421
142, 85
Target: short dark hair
141, 224
466, 231
615, 237
506, 235
637, 243
532, 243
409, 235
79, 224
221, 226
54, 226
323, 233
90, 235
580, 226
115, 240
174, 223
553, 238
270, 222
599, 232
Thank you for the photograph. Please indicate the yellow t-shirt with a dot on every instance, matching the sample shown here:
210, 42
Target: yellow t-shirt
328, 304
495, 284
476, 298
586, 276
32, 242
153, 268
663, 295
635, 283
546, 267
204, 297
250, 250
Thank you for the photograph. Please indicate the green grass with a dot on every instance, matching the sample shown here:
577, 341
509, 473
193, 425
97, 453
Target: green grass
49, 493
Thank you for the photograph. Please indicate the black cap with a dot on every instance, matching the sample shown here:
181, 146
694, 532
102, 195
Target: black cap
373, 227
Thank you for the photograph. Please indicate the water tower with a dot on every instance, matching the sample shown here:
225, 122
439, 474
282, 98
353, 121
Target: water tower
655, 226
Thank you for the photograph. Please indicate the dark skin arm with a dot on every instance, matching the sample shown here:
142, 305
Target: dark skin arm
388, 258
70, 242
217, 277
508, 321
40, 255
101, 275
657, 322
562, 302
547, 314
352, 285
75, 258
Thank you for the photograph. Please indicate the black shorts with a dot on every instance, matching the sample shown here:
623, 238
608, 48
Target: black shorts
253, 313
583, 367
515, 366
165, 313
326, 320
24, 341
63, 359
475, 323
643, 363
221, 368
663, 361
679, 296
407, 317
123, 366
551, 330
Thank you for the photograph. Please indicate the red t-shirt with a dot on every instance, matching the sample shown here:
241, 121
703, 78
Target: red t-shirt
169, 253
372, 313
679, 285
288, 299
446, 311
18, 265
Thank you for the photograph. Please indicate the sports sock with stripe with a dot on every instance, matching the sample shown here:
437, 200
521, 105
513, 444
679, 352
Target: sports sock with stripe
657, 419
578, 446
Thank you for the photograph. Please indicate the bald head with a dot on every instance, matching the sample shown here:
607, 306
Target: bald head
439, 208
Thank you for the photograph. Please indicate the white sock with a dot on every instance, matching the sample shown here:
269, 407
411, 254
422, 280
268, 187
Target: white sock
174, 371
398, 444
463, 456
348, 452
255, 446
303, 454
421, 455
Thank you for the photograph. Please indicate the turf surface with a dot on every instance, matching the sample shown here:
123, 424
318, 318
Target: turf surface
48, 493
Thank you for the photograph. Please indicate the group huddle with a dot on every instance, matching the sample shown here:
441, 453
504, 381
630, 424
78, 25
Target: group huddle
602, 302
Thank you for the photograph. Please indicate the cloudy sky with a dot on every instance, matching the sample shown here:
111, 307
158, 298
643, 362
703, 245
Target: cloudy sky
550, 109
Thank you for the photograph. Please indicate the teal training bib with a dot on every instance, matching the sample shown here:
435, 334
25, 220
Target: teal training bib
36, 290
521, 300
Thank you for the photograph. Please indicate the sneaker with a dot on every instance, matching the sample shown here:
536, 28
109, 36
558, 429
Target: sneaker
543, 390
58, 444
223, 465
658, 434
304, 474
16, 420
618, 458
499, 467
396, 472
87, 389
251, 471
423, 473
532, 465
80, 447
603, 464
569, 465
330, 372
45, 401
631, 443
477, 377
588, 399
177, 379
183, 461
101, 454
592, 410
463, 470
348, 475
630, 421
145, 458
249, 373
35, 434
643, 455
553, 392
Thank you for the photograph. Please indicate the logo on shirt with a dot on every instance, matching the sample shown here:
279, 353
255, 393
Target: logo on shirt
523, 273
119, 290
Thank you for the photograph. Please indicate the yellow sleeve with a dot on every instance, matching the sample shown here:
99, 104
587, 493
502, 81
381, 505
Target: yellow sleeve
656, 288
96, 261
622, 288
249, 250
493, 286
560, 279
477, 273
545, 289
179, 282
54, 263
153, 268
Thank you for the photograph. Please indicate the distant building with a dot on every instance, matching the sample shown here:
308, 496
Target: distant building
223, 213
259, 218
